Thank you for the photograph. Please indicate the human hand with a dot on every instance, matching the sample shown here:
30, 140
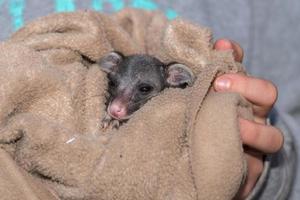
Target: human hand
258, 137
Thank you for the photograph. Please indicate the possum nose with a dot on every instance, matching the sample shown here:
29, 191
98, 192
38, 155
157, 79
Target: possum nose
117, 110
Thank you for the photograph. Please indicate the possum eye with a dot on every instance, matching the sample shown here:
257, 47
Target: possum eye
145, 89
113, 81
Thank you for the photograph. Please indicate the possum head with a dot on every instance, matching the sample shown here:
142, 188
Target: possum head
135, 79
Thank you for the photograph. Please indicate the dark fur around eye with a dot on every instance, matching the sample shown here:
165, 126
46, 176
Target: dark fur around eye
112, 84
113, 81
145, 89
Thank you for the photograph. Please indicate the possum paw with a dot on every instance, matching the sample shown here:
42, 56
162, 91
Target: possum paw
108, 121
115, 124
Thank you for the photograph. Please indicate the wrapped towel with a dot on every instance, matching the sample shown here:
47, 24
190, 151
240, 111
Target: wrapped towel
183, 144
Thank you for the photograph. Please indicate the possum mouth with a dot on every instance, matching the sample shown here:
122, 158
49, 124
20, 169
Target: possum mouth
127, 117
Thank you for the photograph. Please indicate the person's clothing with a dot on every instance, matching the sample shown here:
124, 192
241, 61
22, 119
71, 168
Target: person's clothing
267, 30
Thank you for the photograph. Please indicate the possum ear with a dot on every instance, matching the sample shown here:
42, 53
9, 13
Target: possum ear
179, 75
109, 63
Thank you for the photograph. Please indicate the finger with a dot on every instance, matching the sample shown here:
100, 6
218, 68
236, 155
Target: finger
266, 139
261, 93
255, 168
225, 44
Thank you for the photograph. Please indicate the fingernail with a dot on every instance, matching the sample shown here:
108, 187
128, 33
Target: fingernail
222, 84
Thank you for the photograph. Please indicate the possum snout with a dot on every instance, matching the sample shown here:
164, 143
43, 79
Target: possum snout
117, 109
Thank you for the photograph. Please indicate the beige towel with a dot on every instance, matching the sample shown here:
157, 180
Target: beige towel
182, 145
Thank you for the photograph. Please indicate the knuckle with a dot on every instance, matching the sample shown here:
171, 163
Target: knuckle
241, 84
250, 131
281, 139
254, 135
273, 139
255, 166
259, 168
277, 141
238, 51
272, 92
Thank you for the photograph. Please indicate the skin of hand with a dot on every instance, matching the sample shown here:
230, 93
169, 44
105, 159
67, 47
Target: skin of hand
258, 138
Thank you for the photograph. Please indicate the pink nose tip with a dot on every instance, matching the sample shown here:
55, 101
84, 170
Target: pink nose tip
117, 110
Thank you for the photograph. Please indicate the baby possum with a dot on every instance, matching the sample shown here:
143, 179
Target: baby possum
135, 79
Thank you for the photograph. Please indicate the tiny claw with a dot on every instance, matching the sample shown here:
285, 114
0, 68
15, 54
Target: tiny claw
106, 122
104, 125
115, 124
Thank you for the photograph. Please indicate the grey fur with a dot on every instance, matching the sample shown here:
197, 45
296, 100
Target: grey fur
135, 79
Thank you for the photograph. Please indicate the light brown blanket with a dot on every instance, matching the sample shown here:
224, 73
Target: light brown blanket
182, 145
